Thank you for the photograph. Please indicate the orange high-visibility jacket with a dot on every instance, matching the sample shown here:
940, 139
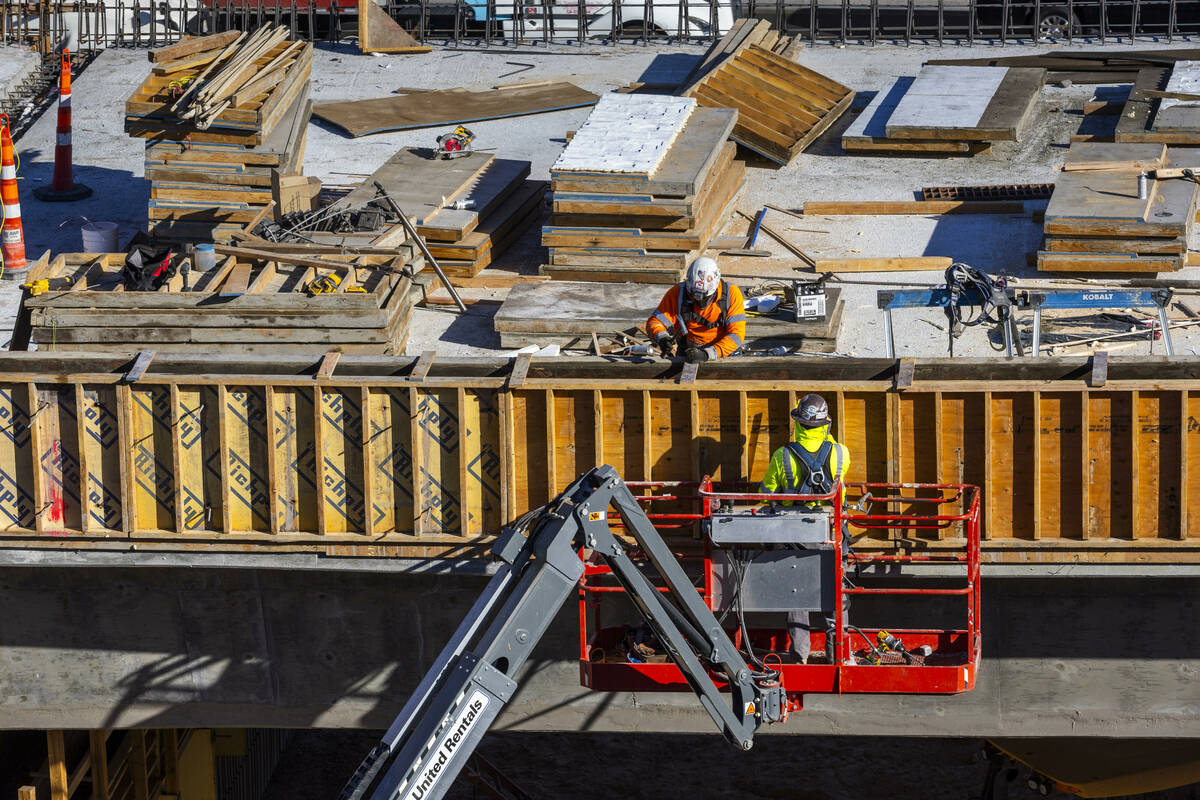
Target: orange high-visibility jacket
720, 327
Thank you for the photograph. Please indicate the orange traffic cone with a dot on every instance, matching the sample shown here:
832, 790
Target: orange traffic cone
12, 237
62, 186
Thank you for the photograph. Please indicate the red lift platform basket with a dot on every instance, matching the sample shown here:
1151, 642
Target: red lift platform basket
910, 509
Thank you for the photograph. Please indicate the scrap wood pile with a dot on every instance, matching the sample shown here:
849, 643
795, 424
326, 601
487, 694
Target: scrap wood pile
223, 116
248, 304
1084, 66
1100, 220
947, 110
642, 188
782, 107
468, 210
1163, 106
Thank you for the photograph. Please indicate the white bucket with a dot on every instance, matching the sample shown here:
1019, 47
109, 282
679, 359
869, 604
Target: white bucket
99, 237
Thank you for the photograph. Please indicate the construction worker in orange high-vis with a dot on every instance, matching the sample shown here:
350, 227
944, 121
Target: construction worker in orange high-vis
700, 319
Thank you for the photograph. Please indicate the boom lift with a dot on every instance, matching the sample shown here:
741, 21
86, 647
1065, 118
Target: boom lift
541, 565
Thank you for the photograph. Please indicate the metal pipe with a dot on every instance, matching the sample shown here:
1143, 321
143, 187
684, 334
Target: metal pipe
416, 237
1037, 332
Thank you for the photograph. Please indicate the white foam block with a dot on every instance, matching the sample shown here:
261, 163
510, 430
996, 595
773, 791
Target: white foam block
947, 97
626, 133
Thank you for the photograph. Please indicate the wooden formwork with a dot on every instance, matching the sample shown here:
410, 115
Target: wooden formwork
262, 454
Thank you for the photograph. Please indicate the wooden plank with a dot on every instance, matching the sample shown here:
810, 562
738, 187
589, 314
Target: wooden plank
137, 764
882, 264
191, 46
56, 758
879, 207
98, 757
449, 108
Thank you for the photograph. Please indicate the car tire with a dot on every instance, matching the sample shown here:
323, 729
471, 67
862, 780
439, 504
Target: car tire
1056, 23
632, 29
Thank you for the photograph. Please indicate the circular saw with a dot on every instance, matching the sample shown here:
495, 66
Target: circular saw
456, 143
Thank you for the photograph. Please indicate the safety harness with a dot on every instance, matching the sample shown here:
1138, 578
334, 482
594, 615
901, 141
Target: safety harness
689, 315
818, 479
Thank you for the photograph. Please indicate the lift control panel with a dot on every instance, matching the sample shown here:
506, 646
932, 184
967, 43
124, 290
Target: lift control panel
802, 525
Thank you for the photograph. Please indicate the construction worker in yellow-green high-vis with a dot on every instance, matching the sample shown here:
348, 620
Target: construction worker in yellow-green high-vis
811, 464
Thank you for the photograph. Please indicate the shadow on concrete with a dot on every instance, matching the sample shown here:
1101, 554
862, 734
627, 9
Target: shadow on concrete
117, 196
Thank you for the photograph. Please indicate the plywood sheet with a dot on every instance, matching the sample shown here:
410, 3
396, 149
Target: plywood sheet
447, 108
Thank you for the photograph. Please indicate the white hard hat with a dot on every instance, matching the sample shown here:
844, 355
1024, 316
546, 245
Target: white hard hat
703, 277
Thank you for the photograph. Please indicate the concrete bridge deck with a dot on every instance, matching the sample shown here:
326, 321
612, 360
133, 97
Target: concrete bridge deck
1094, 652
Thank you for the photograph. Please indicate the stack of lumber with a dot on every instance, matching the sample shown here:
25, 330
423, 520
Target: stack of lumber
1083, 66
782, 106
947, 111
495, 202
1095, 221
568, 313
223, 117
244, 305
1163, 106
635, 199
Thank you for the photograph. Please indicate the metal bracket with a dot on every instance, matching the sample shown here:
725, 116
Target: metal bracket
904, 373
688, 375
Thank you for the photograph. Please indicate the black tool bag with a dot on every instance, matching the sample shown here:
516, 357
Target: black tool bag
147, 265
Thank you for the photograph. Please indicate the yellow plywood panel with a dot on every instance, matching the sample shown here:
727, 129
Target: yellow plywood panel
437, 460
1110, 465
768, 427
865, 433
342, 462
622, 431
1191, 465
1159, 421
529, 450
151, 457
720, 437
1060, 467
198, 440
17, 503
670, 437
55, 441
481, 443
296, 486
246, 428
101, 456
574, 436
390, 459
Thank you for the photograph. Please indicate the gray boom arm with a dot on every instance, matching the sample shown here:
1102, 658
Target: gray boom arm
470, 682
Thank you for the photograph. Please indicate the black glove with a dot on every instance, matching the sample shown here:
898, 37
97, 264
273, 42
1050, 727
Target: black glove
695, 355
666, 346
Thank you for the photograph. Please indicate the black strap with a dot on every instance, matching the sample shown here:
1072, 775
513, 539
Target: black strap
815, 464
693, 318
